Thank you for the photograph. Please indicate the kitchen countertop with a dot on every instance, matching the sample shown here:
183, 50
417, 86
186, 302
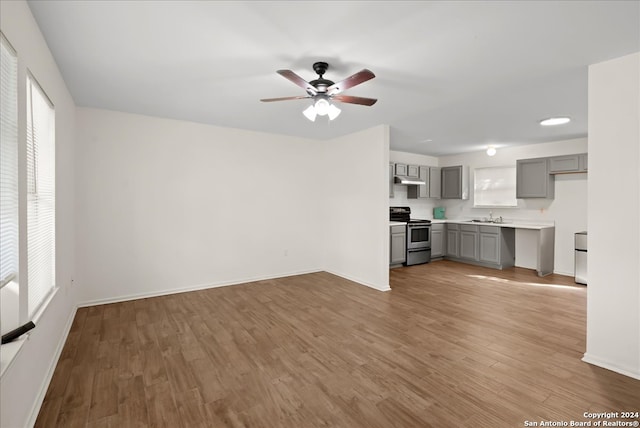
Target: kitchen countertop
514, 224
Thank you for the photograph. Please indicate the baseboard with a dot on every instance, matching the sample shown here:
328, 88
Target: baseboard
37, 404
189, 288
359, 281
557, 272
605, 364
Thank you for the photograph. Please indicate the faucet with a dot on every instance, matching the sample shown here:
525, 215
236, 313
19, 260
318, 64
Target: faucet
491, 216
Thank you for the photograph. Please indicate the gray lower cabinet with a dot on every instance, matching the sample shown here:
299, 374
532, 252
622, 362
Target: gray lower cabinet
533, 179
437, 240
468, 242
453, 236
398, 245
490, 246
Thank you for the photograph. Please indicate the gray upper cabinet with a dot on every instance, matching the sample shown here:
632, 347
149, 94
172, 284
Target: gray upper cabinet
455, 182
568, 164
430, 189
413, 171
533, 179
391, 171
560, 164
584, 162
435, 182
401, 169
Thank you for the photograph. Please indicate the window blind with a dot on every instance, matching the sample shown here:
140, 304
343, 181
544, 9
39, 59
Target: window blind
40, 196
8, 162
495, 187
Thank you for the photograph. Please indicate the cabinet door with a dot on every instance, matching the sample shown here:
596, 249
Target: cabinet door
397, 253
452, 243
391, 171
584, 162
413, 171
435, 182
533, 179
401, 169
469, 245
421, 192
437, 241
560, 164
489, 247
451, 182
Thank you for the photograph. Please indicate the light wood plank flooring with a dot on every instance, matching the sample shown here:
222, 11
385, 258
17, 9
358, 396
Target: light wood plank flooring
451, 345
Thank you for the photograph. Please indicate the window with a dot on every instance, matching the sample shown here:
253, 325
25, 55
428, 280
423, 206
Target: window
495, 187
41, 198
9, 293
9, 163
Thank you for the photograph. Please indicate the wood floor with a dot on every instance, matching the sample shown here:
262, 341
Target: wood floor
451, 345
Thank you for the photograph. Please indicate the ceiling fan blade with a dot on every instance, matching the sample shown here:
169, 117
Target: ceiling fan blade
268, 100
354, 100
290, 75
350, 82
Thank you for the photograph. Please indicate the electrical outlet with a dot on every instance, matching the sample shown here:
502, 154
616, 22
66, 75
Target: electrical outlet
286, 253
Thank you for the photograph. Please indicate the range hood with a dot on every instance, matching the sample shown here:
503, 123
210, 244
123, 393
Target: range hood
403, 179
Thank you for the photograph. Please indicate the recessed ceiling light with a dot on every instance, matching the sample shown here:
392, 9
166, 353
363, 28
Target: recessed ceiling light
428, 140
491, 151
552, 121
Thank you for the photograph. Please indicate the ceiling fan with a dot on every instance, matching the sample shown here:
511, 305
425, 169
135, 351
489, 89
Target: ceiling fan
324, 91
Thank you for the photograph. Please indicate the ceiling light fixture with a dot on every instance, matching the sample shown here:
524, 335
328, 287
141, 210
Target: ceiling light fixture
491, 151
322, 107
552, 121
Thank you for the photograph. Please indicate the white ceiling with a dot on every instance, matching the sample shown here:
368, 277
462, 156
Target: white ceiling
464, 74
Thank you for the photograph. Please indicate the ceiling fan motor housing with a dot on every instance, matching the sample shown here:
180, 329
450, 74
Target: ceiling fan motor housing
320, 83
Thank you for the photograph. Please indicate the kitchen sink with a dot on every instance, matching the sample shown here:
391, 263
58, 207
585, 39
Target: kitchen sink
493, 221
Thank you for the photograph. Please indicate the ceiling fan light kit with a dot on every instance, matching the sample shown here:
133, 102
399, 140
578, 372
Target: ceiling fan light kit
325, 92
553, 121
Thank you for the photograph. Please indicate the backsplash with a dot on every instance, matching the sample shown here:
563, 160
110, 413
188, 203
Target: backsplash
420, 208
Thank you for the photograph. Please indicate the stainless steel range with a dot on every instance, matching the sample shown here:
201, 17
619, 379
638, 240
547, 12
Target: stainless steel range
418, 235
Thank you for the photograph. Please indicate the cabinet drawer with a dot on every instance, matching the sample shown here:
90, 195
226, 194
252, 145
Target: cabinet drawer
398, 229
490, 229
468, 228
453, 226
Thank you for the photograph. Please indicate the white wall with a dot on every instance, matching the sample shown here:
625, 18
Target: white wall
166, 205
25, 381
568, 209
355, 213
613, 299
